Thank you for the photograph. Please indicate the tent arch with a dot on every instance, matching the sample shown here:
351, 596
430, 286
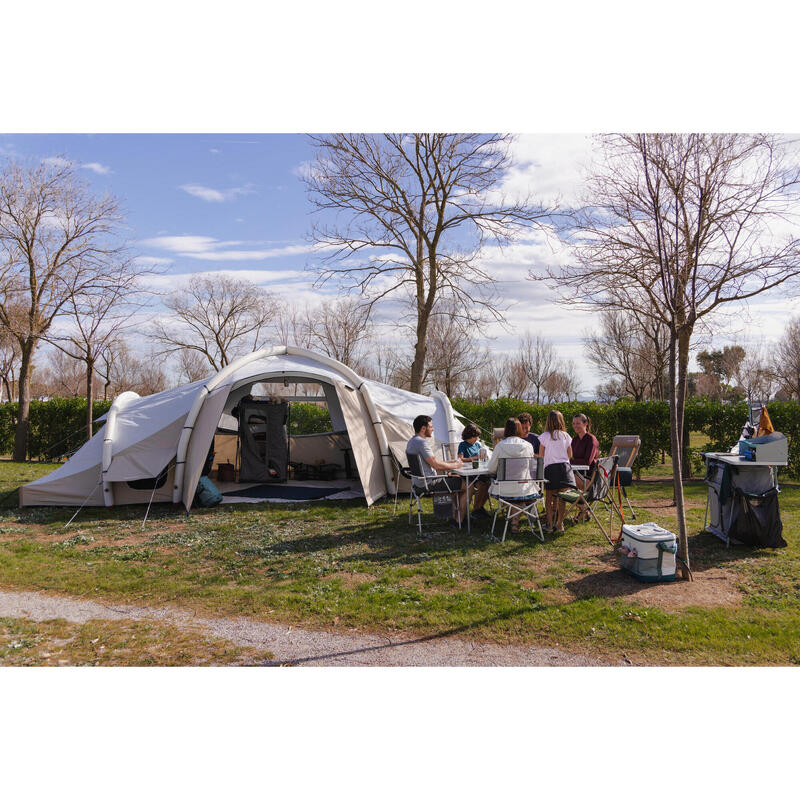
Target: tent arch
118, 404
217, 380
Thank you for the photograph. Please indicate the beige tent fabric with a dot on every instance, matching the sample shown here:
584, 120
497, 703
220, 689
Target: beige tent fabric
364, 441
205, 427
147, 457
79, 488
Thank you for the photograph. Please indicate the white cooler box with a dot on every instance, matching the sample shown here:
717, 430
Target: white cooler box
648, 552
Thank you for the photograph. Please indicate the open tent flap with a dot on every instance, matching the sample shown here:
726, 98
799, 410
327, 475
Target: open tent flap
205, 427
364, 442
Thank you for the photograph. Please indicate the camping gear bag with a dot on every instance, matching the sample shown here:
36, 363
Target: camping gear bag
207, 494
648, 552
443, 506
756, 519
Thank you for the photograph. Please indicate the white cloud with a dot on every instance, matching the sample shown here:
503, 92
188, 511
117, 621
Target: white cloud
216, 195
207, 248
213, 150
95, 166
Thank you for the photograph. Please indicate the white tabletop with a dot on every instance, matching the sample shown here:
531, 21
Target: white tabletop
467, 471
739, 461
580, 467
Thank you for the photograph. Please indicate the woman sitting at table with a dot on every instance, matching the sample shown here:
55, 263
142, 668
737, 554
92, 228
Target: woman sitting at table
585, 452
470, 450
512, 445
556, 450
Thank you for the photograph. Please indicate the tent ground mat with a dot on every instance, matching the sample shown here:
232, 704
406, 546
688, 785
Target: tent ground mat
284, 492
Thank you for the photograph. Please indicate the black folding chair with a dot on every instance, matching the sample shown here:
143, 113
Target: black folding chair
423, 485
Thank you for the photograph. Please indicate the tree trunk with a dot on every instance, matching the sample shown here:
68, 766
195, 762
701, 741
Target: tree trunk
89, 397
675, 435
420, 352
24, 388
682, 386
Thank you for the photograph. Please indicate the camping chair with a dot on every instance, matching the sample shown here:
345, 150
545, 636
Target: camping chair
420, 488
400, 470
598, 490
517, 491
626, 448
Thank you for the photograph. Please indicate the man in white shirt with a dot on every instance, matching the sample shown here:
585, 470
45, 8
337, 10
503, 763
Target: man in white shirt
420, 445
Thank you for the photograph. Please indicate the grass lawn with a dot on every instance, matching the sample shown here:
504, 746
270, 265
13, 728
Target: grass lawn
323, 565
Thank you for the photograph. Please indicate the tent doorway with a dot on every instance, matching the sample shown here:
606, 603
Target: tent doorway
284, 440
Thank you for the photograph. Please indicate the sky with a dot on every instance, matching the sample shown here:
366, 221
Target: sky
203, 203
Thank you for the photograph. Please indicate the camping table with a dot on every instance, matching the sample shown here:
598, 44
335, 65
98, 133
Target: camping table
470, 474
737, 461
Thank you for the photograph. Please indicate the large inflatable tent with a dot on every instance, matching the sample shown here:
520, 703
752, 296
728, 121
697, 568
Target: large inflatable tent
155, 447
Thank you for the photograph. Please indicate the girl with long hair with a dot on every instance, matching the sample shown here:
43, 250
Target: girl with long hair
556, 450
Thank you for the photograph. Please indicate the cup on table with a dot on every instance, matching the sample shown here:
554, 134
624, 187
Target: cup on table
475, 464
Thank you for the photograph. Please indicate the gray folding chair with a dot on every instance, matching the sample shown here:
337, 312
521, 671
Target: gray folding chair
400, 471
598, 491
517, 492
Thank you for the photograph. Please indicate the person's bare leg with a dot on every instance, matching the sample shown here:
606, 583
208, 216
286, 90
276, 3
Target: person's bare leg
549, 507
562, 507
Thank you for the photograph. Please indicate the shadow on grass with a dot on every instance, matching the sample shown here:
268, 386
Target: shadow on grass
455, 631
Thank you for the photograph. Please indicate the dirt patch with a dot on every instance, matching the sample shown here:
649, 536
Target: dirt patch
710, 588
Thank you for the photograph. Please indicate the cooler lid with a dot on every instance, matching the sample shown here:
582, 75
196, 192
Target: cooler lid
648, 532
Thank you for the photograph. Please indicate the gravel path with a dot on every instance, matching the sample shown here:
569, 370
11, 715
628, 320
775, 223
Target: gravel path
299, 647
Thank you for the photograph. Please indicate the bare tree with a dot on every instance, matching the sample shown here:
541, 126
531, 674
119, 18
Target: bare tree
219, 317
515, 377
341, 329
490, 380
410, 213
677, 226
9, 364
290, 325
561, 384
786, 361
122, 370
56, 238
192, 366
538, 359
631, 349
454, 354
60, 375
99, 317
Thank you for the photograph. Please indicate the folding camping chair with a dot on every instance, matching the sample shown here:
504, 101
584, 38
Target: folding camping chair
598, 490
517, 490
626, 448
421, 487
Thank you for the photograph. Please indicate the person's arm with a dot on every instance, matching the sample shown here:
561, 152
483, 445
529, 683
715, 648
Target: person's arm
443, 465
569, 452
595, 450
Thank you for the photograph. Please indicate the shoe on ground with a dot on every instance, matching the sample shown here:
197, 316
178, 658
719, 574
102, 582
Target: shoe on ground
547, 528
454, 524
560, 529
479, 513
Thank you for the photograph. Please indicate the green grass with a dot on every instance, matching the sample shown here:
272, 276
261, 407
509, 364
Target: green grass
342, 564
116, 643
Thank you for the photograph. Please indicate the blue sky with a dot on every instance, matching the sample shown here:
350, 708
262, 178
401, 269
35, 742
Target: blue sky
211, 202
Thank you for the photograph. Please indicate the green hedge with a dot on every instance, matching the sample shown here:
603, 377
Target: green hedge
57, 427
308, 418
721, 423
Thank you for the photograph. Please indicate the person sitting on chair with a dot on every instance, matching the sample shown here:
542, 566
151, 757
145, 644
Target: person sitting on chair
526, 420
419, 445
586, 451
512, 445
556, 449
470, 450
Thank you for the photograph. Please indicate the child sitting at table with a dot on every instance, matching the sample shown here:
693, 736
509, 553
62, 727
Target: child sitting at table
469, 450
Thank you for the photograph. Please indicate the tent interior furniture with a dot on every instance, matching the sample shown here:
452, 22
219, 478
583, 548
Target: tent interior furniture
517, 491
626, 448
170, 433
420, 488
599, 488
